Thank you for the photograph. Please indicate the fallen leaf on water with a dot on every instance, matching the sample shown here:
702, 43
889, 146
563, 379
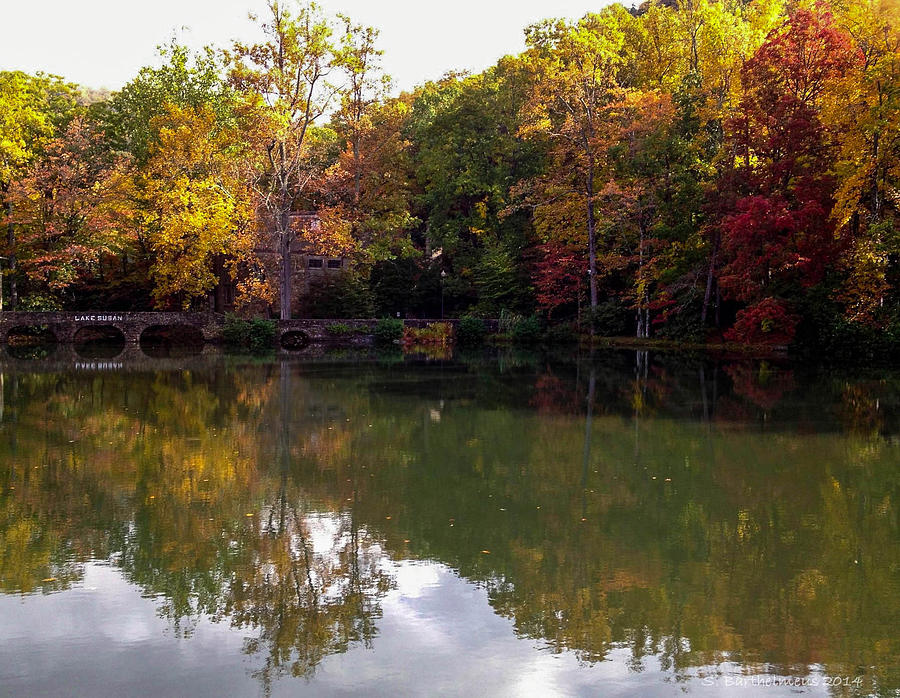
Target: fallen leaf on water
248, 514
49, 579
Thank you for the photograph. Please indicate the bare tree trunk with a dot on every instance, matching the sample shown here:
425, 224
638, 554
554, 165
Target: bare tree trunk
643, 331
718, 306
709, 281
876, 194
592, 253
286, 270
357, 171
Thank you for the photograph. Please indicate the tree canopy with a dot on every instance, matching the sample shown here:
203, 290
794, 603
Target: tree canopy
707, 169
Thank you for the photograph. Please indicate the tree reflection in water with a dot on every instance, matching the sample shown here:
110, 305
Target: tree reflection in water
685, 511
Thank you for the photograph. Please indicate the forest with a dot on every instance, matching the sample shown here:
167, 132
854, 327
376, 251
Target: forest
692, 170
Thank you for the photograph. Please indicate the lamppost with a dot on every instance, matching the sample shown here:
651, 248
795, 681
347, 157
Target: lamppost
443, 276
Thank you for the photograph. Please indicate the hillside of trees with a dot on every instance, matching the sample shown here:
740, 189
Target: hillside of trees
688, 169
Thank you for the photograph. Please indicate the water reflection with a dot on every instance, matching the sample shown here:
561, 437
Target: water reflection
673, 515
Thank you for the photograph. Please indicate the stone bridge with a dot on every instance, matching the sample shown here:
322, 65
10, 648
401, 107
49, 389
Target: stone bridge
65, 326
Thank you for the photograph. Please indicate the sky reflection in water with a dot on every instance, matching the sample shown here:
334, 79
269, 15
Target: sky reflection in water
513, 527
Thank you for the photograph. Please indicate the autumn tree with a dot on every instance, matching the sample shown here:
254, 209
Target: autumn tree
558, 273
863, 111
69, 210
779, 238
282, 81
197, 211
185, 79
33, 109
575, 69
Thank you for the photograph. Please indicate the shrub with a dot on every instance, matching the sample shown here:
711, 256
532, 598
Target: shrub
682, 327
471, 331
262, 335
610, 319
340, 329
388, 330
434, 334
234, 332
507, 322
561, 334
767, 322
825, 334
257, 335
527, 331
39, 303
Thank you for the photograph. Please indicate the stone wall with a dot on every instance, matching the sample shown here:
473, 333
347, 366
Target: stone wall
65, 325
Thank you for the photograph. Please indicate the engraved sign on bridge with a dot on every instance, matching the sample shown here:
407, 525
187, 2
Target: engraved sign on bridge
99, 318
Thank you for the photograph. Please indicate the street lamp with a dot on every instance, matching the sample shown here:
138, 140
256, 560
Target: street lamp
443, 276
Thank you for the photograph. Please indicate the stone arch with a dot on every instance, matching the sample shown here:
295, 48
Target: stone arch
295, 340
99, 341
30, 341
169, 340
25, 333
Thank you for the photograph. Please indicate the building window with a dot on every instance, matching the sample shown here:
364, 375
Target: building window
314, 263
335, 263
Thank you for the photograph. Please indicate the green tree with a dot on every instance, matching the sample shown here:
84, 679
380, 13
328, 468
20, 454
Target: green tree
467, 154
185, 79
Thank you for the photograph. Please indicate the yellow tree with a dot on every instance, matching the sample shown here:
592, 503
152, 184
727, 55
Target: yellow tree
863, 112
198, 211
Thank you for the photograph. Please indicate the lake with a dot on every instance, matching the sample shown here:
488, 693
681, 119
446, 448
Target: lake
510, 525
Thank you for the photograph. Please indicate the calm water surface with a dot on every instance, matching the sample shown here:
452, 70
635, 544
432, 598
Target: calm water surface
622, 525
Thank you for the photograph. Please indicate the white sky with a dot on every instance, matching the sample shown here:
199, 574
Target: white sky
103, 43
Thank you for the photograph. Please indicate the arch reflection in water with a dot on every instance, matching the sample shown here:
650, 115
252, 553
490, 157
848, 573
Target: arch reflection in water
31, 342
666, 518
99, 342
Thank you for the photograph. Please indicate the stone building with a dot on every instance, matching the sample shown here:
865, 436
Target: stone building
307, 263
